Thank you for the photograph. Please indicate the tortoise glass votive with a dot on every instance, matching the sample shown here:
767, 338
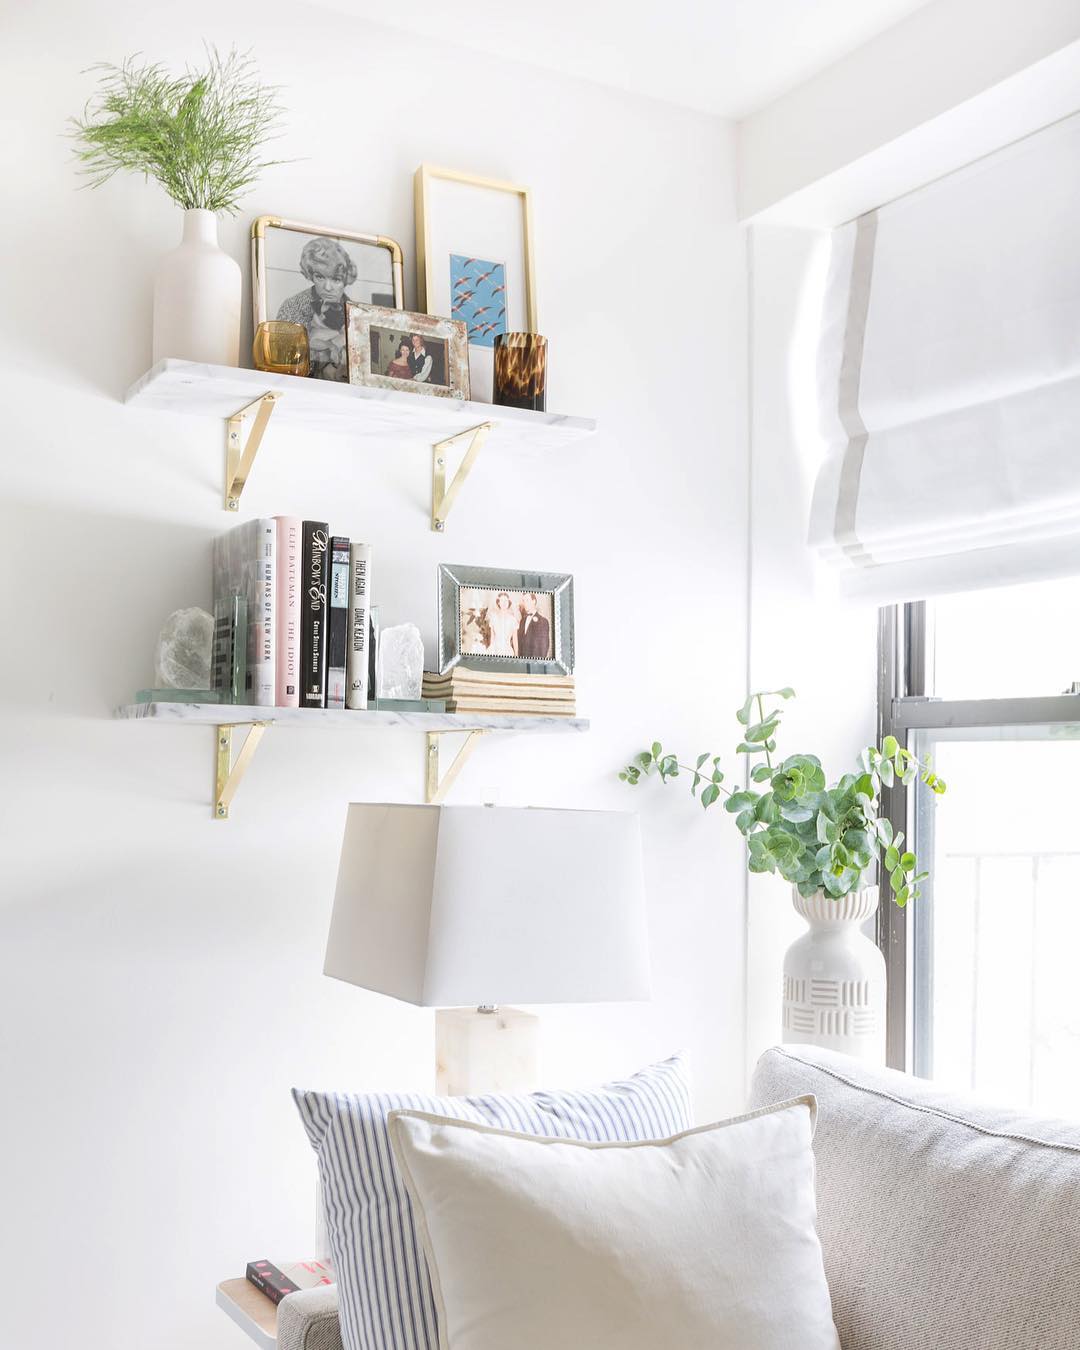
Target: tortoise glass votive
521, 370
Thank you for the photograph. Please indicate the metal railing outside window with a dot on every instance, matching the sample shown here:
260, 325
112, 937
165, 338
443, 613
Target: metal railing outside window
981, 968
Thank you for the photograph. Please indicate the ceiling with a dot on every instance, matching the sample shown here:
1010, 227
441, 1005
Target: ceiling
727, 57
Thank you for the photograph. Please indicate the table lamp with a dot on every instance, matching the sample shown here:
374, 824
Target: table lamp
444, 906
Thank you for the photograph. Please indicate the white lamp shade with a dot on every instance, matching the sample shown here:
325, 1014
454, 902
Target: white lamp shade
449, 905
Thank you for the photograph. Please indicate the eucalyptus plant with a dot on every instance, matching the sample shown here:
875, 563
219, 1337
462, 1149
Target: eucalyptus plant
815, 836
198, 134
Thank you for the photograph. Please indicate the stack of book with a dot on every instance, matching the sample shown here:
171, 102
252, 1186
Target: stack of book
497, 691
292, 625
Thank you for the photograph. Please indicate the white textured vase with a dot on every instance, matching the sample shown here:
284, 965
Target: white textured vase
834, 977
197, 297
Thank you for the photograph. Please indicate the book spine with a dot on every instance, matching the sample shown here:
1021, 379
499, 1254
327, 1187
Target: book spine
263, 681
244, 568
356, 692
267, 1278
240, 650
288, 611
314, 566
229, 670
337, 633
222, 665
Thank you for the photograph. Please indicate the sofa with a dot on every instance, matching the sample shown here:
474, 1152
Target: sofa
945, 1223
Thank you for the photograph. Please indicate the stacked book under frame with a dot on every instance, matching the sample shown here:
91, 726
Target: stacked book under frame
503, 692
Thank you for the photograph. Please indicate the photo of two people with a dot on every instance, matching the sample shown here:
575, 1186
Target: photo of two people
507, 623
408, 356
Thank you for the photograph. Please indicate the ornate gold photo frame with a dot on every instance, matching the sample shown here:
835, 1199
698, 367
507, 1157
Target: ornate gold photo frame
413, 353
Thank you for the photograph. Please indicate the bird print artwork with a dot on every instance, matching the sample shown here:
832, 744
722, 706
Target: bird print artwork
477, 286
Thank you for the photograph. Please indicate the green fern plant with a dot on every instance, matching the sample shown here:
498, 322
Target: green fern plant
199, 135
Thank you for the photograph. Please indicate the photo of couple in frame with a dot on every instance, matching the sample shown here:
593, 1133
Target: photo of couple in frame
493, 618
507, 623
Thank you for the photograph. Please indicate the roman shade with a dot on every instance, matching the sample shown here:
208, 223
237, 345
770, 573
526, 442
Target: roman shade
949, 380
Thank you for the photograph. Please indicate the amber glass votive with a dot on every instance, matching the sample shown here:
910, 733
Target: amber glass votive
281, 348
521, 370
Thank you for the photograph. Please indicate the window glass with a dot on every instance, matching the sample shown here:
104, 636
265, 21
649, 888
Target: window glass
1019, 641
998, 932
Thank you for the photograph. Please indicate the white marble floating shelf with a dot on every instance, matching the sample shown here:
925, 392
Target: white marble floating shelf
193, 389
235, 714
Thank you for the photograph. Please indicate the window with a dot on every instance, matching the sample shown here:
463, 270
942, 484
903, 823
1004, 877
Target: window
982, 969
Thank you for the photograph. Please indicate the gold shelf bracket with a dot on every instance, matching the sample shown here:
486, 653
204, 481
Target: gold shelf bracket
227, 774
435, 790
239, 457
443, 497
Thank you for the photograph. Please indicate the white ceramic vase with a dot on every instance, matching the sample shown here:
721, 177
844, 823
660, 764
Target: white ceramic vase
834, 977
197, 297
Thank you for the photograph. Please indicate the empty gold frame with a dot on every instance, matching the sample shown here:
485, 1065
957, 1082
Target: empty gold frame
428, 175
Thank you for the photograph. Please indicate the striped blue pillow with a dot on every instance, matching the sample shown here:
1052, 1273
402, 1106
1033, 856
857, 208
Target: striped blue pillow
384, 1293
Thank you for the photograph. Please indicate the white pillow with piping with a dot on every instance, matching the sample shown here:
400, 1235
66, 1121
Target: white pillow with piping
703, 1241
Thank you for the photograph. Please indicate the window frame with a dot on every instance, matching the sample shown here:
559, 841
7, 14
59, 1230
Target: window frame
906, 707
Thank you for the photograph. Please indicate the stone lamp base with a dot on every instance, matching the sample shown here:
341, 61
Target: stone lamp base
485, 1050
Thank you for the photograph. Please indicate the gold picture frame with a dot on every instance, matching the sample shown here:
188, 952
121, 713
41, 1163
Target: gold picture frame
425, 175
264, 270
475, 233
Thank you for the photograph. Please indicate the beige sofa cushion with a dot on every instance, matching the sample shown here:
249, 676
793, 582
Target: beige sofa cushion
946, 1225
704, 1241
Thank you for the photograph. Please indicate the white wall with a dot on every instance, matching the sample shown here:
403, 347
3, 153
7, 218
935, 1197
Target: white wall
801, 633
954, 80
160, 987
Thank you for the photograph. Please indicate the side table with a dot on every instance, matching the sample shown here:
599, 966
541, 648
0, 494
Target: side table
251, 1310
